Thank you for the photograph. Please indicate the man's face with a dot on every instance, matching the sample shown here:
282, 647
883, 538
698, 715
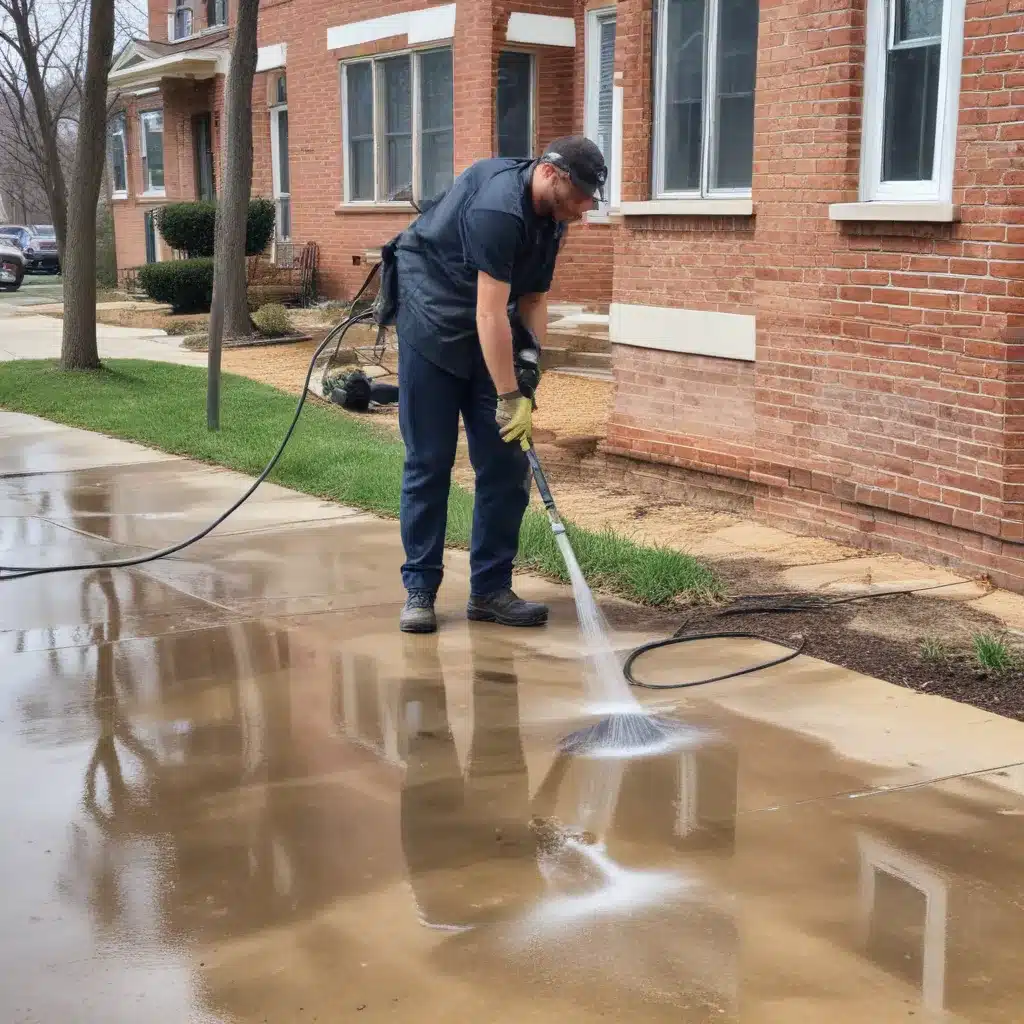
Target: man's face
568, 203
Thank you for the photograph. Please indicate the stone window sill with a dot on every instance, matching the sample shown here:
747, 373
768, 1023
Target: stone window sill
374, 208
922, 212
688, 208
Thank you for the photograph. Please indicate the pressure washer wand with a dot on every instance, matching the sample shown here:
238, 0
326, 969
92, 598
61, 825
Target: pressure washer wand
557, 526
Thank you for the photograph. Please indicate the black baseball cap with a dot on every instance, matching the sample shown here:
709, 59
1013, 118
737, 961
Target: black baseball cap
581, 160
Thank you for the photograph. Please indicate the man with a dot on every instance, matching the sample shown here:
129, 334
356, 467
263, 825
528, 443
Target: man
482, 251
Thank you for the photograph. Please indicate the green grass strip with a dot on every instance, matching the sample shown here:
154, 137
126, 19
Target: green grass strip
331, 455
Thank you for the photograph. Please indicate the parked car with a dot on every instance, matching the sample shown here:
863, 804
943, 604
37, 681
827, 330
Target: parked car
12, 266
38, 243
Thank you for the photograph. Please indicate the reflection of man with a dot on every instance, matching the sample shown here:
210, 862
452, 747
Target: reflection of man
466, 836
487, 246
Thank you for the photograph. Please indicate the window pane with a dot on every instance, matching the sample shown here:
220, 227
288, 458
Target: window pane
437, 138
918, 19
911, 102
154, 127
118, 164
605, 88
359, 87
733, 154
282, 152
684, 93
396, 96
513, 105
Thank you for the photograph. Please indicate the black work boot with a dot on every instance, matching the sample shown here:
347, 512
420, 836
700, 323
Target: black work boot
506, 609
418, 614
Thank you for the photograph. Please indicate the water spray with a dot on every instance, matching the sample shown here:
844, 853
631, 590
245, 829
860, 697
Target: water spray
625, 729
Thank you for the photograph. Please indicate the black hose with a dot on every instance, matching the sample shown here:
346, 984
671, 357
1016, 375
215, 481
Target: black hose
19, 572
784, 603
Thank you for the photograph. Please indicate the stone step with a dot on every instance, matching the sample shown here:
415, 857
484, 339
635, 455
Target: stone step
589, 360
581, 371
580, 341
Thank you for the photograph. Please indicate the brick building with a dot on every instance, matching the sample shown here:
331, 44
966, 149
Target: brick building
810, 258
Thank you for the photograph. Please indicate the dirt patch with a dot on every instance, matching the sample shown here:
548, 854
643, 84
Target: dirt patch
922, 643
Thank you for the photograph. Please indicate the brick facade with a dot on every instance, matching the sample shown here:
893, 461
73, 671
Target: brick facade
884, 401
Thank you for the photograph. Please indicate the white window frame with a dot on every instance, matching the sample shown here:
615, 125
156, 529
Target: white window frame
275, 161
119, 129
532, 101
710, 61
147, 188
881, 20
591, 97
414, 53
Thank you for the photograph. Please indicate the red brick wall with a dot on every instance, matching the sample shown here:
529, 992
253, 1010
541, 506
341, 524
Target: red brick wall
888, 400
691, 411
314, 109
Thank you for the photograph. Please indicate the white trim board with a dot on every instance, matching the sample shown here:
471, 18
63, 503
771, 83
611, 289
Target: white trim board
541, 29
691, 331
422, 26
270, 57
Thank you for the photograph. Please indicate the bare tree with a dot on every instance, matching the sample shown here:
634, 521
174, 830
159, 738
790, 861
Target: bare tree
229, 313
55, 58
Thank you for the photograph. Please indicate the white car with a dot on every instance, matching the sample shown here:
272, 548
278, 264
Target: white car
12, 266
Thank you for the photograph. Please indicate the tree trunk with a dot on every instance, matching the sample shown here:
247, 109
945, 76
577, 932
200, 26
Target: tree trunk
78, 349
229, 316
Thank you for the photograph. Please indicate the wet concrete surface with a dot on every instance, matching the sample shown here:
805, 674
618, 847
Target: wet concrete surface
234, 793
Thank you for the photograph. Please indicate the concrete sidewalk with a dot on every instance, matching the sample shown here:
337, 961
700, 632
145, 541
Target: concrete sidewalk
234, 792
39, 337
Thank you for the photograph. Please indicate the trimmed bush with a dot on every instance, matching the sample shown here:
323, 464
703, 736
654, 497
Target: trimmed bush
259, 227
273, 321
188, 227
191, 227
186, 285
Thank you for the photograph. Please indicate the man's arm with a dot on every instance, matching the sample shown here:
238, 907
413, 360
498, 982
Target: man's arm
495, 332
533, 310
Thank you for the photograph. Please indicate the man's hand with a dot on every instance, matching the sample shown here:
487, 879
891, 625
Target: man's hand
515, 419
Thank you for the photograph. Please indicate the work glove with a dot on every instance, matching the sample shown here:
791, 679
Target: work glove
515, 419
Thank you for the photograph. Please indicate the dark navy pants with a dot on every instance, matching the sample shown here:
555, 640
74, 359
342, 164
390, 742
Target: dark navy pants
429, 403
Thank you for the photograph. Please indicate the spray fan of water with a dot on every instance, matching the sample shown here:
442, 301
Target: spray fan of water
625, 729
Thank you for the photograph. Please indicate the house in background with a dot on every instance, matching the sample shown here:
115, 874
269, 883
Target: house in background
810, 254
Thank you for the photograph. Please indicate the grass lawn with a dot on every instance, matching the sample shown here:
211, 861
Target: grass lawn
332, 454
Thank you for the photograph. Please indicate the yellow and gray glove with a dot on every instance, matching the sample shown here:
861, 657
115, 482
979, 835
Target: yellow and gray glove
515, 419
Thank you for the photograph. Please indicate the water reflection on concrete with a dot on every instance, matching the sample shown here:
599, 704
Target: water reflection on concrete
233, 793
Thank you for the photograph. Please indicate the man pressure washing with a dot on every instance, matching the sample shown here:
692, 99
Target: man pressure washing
473, 272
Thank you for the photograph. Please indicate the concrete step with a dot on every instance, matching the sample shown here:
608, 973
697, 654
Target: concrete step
581, 371
589, 360
580, 341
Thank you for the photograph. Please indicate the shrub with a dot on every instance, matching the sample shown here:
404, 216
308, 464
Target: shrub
272, 321
190, 228
259, 226
186, 285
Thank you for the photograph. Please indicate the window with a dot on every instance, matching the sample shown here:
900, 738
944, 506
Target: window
398, 125
202, 143
180, 21
216, 12
514, 104
153, 152
282, 178
118, 155
704, 112
600, 88
911, 93
149, 231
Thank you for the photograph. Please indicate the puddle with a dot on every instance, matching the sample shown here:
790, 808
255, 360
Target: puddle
298, 817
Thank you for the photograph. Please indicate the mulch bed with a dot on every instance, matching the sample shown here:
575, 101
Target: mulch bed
864, 637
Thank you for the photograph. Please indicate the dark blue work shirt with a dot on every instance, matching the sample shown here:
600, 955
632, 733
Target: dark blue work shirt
485, 221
